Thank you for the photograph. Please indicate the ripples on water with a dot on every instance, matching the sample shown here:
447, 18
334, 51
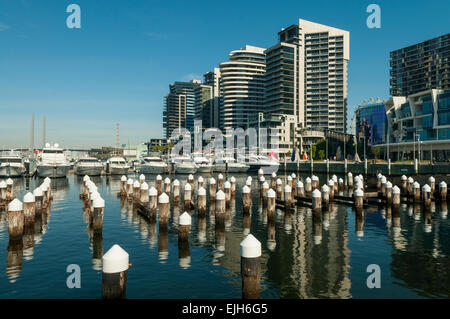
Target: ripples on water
304, 255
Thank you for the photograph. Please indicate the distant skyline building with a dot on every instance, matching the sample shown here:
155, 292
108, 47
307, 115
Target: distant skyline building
371, 121
243, 86
179, 107
420, 67
214, 80
306, 75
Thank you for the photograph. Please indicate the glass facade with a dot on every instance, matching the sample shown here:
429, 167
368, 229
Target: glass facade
444, 108
373, 122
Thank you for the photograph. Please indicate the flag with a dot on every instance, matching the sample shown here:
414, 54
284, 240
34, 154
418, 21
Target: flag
274, 155
293, 155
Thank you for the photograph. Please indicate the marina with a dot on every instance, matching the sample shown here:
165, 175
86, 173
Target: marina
306, 252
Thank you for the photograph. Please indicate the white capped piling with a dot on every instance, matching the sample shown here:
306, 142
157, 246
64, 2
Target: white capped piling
114, 273
167, 186
265, 188
49, 185
191, 181
410, 186
443, 191
300, 189
9, 189
141, 178
273, 183
187, 196
383, 181
426, 195
86, 178
176, 191
219, 182
325, 195
314, 182
163, 208
308, 187
350, 179
15, 218
201, 200
136, 191
246, 200
97, 216
289, 181
220, 206
3, 190
379, 181
396, 196
153, 194
262, 179
184, 226
143, 199
279, 189
123, 185
200, 182
331, 188
29, 209
404, 184
316, 200
388, 192
416, 192
294, 181
260, 173
341, 184
227, 188
250, 267
45, 197
38, 196
212, 189
248, 182
158, 184
233, 186
271, 202
130, 188
432, 183
359, 199
287, 196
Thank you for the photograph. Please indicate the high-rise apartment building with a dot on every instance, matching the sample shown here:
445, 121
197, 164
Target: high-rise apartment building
213, 79
243, 86
420, 67
179, 107
306, 75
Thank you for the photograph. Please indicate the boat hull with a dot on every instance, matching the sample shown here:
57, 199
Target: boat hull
11, 171
118, 170
86, 170
205, 169
221, 168
185, 170
53, 171
150, 169
267, 168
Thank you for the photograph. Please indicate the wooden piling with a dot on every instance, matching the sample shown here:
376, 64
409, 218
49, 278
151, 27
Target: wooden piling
316, 200
432, 183
212, 189
359, 199
38, 197
187, 197
260, 173
331, 189
383, 185
184, 226
294, 181
136, 191
201, 201
29, 209
404, 185
114, 273
273, 182
227, 191
426, 195
248, 182
3, 190
143, 198
341, 184
141, 179
158, 184
220, 206
388, 193
220, 182
9, 189
163, 209
251, 267
350, 180
279, 189
300, 189
287, 196
314, 182
97, 215
129, 188
396, 197
271, 196
167, 186
416, 192
153, 194
325, 195
233, 186
443, 191
191, 181
176, 192
15, 218
308, 187
246, 200
200, 182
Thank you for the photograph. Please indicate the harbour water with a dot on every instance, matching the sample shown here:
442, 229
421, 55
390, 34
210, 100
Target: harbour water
303, 255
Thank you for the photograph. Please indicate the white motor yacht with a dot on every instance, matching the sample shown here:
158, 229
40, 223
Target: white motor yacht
233, 166
204, 165
117, 166
11, 165
152, 165
52, 162
184, 165
268, 164
88, 166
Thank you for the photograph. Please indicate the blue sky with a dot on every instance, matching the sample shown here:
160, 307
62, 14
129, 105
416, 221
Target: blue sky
118, 66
